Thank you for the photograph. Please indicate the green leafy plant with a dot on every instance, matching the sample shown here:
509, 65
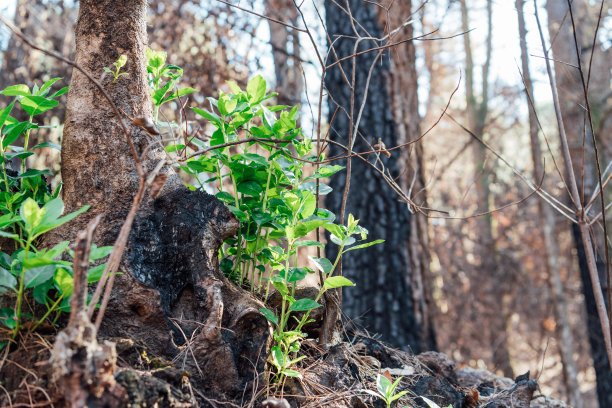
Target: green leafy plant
120, 63
385, 389
163, 79
261, 170
28, 210
34, 103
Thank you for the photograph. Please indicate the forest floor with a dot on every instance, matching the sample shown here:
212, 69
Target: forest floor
337, 377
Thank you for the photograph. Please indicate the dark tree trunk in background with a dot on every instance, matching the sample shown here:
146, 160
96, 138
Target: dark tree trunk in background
384, 300
598, 348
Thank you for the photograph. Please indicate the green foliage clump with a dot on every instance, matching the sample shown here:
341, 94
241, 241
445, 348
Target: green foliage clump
29, 209
267, 174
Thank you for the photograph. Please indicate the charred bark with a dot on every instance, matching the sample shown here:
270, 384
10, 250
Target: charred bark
384, 300
601, 363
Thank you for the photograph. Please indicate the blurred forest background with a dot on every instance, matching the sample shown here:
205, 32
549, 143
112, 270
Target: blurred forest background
504, 290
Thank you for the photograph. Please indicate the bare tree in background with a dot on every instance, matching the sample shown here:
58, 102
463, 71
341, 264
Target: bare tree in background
575, 121
549, 240
390, 297
285, 44
490, 290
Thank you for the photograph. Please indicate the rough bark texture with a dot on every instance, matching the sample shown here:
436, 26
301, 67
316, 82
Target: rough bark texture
402, 88
581, 151
385, 300
550, 244
170, 285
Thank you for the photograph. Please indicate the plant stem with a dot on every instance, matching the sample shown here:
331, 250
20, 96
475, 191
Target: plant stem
25, 147
21, 289
49, 311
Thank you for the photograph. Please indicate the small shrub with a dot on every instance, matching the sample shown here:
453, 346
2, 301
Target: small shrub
29, 209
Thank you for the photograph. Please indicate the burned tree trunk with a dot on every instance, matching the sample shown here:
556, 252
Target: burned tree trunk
169, 273
385, 300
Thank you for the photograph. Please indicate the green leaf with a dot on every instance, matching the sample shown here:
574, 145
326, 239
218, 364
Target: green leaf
217, 138
58, 249
311, 186
40, 292
14, 133
308, 243
367, 244
51, 219
158, 95
20, 155
7, 280
256, 89
179, 93
383, 384
60, 92
107, 69
121, 61
174, 148
337, 282
34, 173
95, 274
292, 200
234, 87
4, 113
157, 59
294, 275
281, 287
278, 358
16, 90
327, 171
47, 144
251, 188
291, 373
335, 230
431, 403
302, 305
64, 281
226, 105
31, 214
241, 215
35, 105
309, 204
398, 396
261, 218
8, 235
268, 117
47, 85
225, 197
7, 317
37, 276
256, 158
37, 261
99, 252
268, 314
322, 264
